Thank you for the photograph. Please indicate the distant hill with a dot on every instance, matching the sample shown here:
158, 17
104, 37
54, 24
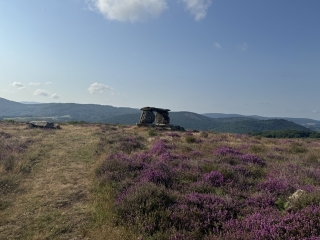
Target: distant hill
61, 112
10, 108
311, 124
26, 102
196, 121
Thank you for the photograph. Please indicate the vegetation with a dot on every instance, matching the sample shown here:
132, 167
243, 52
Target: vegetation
288, 134
216, 186
98, 181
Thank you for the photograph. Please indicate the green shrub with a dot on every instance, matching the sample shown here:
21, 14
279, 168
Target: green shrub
152, 133
296, 147
8, 184
190, 139
204, 134
306, 199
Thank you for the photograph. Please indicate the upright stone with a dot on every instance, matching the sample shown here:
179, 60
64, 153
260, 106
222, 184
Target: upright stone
147, 117
162, 116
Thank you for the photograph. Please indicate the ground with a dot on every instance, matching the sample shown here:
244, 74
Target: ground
55, 198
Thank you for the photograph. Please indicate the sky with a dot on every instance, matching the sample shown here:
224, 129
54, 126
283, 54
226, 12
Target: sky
251, 57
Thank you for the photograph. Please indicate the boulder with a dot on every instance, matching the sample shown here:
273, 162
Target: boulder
177, 128
296, 195
41, 124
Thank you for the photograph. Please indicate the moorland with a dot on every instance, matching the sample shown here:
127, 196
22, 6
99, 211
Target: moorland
108, 181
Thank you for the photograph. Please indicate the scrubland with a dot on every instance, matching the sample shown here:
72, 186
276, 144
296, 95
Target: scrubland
118, 182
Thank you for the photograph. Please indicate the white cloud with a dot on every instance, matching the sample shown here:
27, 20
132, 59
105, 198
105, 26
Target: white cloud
34, 84
198, 8
55, 96
18, 85
128, 10
98, 88
41, 92
47, 83
243, 46
217, 45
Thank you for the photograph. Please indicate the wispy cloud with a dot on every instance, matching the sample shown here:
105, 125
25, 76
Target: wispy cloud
128, 10
41, 92
47, 83
18, 85
243, 47
217, 45
198, 8
55, 96
34, 84
45, 93
98, 88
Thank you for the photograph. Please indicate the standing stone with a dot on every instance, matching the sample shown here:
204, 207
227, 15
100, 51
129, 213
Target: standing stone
162, 117
147, 117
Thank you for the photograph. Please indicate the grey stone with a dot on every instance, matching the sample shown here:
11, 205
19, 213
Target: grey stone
162, 117
147, 116
41, 124
154, 109
177, 128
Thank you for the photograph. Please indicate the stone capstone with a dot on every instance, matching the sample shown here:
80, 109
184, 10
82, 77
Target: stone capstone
41, 124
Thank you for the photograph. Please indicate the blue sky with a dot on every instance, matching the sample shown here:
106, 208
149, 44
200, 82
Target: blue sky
231, 56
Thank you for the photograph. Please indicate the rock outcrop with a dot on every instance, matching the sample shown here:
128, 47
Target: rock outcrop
161, 119
41, 124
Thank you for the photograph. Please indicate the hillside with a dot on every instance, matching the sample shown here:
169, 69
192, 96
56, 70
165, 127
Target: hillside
99, 181
311, 124
65, 112
195, 121
62, 111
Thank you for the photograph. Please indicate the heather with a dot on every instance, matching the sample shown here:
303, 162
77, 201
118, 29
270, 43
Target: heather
192, 185
99, 181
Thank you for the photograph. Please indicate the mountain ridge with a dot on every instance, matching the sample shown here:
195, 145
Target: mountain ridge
63, 112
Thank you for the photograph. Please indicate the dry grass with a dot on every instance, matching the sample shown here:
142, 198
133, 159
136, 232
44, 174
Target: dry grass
54, 194
48, 183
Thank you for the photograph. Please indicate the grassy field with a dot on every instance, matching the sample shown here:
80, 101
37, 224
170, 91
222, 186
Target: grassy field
48, 187
95, 181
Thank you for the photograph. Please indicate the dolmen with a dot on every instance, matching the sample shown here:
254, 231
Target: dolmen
161, 118
41, 124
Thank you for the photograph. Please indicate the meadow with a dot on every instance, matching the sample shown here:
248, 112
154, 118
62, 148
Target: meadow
98, 181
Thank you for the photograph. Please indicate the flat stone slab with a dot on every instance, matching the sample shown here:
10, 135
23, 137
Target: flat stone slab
41, 124
154, 109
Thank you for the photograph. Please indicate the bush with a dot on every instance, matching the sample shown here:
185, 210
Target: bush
152, 133
190, 139
147, 207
